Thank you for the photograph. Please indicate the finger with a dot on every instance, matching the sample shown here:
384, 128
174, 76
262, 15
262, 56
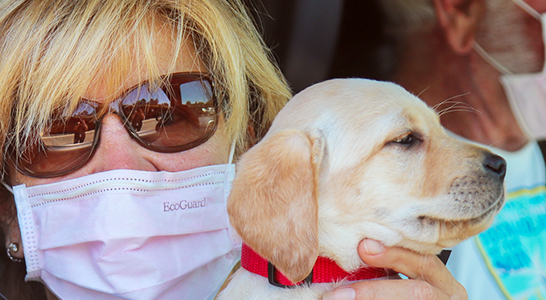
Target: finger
409, 263
387, 289
415, 266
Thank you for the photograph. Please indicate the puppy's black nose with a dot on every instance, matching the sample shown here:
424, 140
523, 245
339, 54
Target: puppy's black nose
495, 164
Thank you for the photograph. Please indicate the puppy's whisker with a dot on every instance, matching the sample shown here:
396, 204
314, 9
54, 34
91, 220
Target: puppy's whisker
448, 100
457, 96
424, 90
443, 112
494, 143
458, 107
454, 104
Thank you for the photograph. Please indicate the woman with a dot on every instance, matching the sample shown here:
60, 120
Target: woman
63, 62
100, 95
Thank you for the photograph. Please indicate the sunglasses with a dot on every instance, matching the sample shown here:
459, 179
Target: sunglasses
178, 114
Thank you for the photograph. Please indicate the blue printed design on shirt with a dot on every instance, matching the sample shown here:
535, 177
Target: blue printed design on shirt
514, 248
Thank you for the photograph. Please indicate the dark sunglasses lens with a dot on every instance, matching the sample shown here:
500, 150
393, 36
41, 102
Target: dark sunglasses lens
173, 118
65, 147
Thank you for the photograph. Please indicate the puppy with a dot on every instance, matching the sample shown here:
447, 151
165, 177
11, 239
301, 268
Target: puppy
349, 159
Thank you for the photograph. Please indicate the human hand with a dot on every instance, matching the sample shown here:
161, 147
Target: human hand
428, 277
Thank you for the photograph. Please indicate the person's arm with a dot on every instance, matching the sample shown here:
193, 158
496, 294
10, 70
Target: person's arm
428, 277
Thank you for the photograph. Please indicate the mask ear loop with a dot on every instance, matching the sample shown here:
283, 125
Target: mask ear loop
526, 7
9, 188
232, 152
493, 62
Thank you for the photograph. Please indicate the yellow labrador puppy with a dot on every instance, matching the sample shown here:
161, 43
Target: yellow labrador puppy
349, 159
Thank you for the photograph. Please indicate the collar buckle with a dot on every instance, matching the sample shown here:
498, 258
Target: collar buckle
271, 270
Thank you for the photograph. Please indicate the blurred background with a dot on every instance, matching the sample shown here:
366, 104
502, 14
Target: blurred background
314, 40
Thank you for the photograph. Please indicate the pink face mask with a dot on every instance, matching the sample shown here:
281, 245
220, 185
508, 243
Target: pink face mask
525, 92
130, 234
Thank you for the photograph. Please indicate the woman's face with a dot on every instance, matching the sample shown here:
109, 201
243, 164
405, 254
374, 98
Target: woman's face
117, 150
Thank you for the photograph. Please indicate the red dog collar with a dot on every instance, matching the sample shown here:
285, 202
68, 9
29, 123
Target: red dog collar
325, 270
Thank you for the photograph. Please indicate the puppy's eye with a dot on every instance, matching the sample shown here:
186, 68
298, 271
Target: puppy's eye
406, 140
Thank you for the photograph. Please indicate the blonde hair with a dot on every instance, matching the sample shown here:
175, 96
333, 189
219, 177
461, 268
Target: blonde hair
53, 51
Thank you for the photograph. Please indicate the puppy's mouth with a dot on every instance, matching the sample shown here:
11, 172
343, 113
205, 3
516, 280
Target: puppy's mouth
473, 220
453, 231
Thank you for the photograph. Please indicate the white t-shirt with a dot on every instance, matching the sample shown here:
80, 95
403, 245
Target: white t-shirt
508, 261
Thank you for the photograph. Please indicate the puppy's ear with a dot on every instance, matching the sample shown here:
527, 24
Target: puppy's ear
273, 202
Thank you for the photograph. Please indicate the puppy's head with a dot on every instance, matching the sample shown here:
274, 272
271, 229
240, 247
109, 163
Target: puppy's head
349, 159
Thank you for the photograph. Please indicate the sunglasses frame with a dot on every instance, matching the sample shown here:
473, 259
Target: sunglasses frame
167, 80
